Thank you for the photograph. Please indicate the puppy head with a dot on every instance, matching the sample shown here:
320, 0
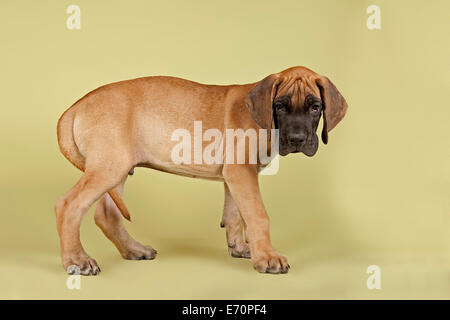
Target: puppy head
293, 101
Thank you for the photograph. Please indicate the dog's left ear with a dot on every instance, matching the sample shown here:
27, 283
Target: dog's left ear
333, 103
260, 99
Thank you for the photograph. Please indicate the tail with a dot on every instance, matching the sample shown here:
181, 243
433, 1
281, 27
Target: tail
70, 150
115, 196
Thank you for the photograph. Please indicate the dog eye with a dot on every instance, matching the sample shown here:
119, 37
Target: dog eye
280, 106
315, 109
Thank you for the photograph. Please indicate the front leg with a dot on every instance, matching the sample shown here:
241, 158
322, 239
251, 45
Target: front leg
242, 181
234, 226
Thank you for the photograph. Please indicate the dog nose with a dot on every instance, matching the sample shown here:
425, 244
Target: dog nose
297, 139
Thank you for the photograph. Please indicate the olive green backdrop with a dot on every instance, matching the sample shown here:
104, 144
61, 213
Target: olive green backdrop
377, 194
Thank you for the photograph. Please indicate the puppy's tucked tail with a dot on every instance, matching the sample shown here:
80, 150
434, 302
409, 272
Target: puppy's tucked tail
115, 196
70, 150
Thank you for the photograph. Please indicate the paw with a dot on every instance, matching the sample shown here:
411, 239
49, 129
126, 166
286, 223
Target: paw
271, 263
239, 250
83, 265
139, 252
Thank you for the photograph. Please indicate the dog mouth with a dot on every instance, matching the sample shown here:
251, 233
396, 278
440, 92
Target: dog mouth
308, 149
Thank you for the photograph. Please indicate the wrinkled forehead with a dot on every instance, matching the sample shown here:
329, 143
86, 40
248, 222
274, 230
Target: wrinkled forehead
298, 86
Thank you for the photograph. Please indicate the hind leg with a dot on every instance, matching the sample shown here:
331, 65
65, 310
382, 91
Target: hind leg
71, 208
234, 226
109, 220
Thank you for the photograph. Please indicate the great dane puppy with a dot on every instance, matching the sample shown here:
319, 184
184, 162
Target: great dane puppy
128, 124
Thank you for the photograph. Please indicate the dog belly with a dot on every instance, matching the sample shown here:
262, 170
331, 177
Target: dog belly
158, 146
155, 151
213, 173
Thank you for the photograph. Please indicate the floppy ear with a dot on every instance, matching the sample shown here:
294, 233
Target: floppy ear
333, 103
260, 99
